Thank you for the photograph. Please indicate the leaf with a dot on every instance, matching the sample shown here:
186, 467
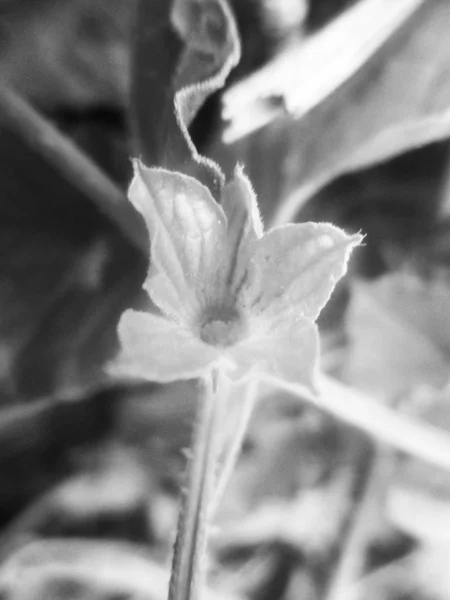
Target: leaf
183, 51
418, 496
44, 443
286, 451
55, 569
429, 569
39, 439
29, 132
338, 102
423, 573
93, 267
311, 522
416, 502
108, 499
382, 423
70, 55
371, 23
399, 328
71, 258
402, 578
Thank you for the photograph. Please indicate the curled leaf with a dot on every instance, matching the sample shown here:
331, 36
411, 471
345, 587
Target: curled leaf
184, 50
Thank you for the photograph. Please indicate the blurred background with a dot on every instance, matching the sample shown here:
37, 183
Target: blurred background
340, 112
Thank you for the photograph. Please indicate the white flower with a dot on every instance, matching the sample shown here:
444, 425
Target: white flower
229, 294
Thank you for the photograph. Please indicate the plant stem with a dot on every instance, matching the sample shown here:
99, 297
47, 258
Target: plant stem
245, 409
401, 431
190, 543
350, 566
19, 119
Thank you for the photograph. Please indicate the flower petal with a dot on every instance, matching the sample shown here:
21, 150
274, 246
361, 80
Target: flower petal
287, 349
187, 229
240, 206
157, 349
244, 226
297, 265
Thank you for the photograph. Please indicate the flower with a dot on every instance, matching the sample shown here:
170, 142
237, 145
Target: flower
230, 295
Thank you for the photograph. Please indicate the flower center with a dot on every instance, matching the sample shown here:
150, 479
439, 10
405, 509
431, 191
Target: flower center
221, 326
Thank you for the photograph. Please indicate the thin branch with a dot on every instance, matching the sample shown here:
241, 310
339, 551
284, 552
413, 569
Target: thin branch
187, 567
17, 116
350, 567
386, 425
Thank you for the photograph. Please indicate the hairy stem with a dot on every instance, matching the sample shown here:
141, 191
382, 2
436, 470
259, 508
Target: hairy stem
190, 544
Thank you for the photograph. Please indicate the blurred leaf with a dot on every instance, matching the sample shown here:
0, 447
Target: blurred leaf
108, 499
418, 498
38, 441
67, 53
396, 204
394, 580
399, 329
59, 569
310, 522
183, 51
325, 61
41, 443
286, 448
71, 274
423, 572
71, 258
429, 571
339, 101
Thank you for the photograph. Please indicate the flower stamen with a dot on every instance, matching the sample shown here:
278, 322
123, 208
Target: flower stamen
222, 326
